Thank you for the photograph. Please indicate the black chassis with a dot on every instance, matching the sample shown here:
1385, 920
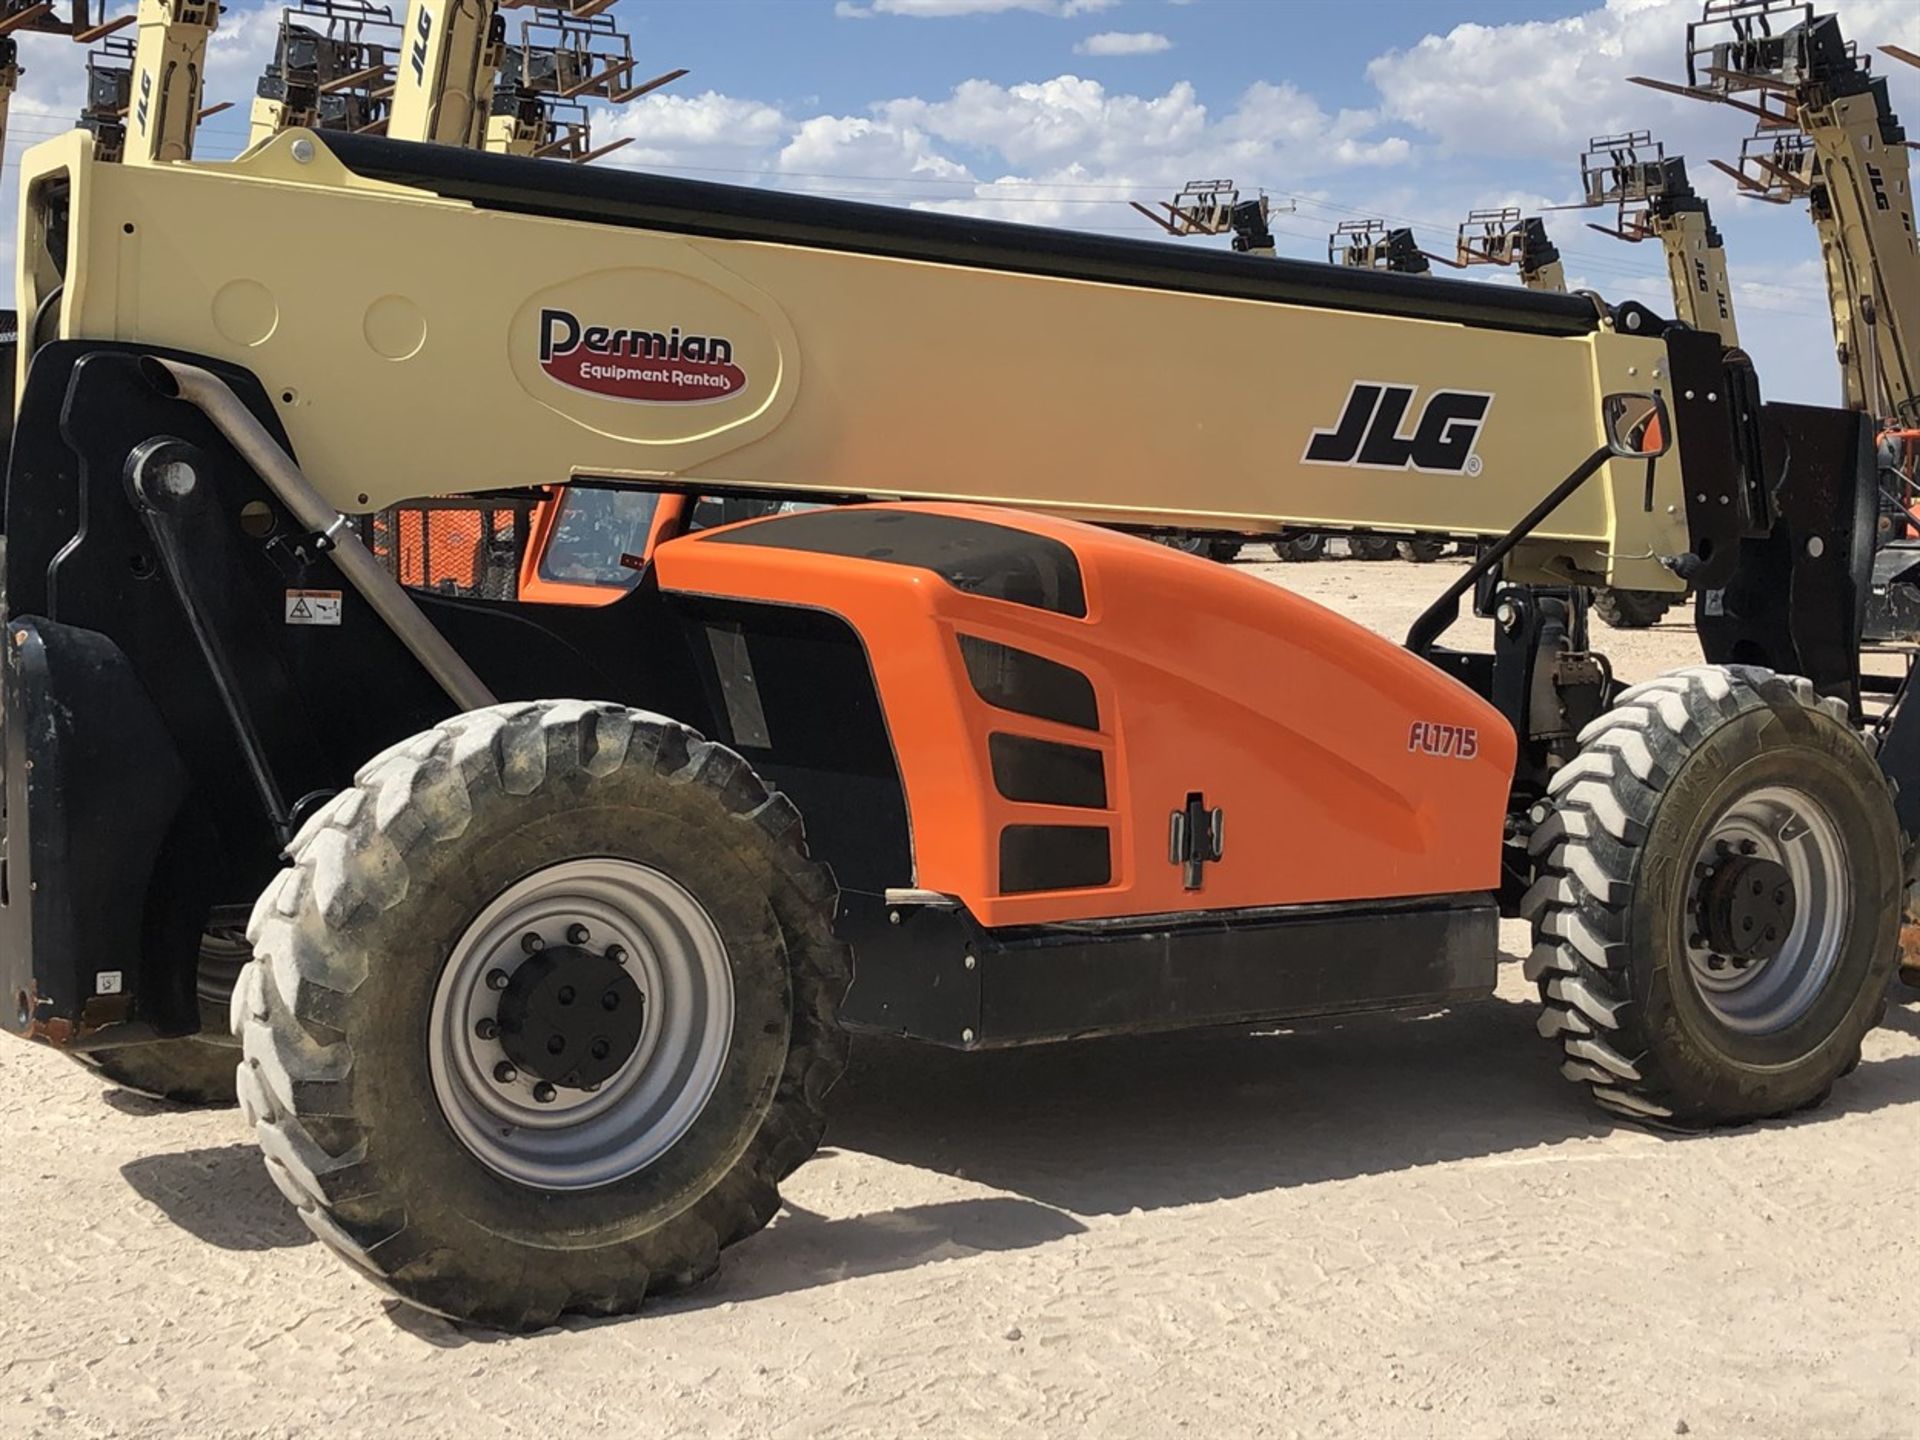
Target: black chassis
164, 731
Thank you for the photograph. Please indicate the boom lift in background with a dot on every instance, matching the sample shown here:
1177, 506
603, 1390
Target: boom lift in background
1375, 245
1653, 200
1841, 148
332, 69
564, 58
40, 17
1504, 237
1792, 69
144, 94
449, 75
1214, 207
458, 59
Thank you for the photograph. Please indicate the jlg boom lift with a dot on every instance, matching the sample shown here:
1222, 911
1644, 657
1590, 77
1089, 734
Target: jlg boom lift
1789, 67
1505, 237
144, 93
332, 69
40, 17
1839, 146
558, 906
450, 75
1653, 200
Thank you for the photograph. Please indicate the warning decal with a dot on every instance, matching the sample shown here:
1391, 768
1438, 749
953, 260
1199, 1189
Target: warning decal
313, 607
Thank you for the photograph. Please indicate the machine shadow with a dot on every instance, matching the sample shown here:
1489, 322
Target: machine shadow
220, 1195
1094, 1128
1105, 1126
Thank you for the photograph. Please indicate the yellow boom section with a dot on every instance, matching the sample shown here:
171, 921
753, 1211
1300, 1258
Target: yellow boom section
419, 344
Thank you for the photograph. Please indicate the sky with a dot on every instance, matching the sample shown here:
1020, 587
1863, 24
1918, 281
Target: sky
1059, 112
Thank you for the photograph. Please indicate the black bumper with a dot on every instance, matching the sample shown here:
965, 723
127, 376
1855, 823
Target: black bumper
94, 796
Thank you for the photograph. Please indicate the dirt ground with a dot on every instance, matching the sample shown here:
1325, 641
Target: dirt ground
1386, 1227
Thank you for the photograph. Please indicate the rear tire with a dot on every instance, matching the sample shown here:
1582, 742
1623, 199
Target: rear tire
1693, 783
1300, 546
1372, 547
1633, 609
1422, 549
375, 1123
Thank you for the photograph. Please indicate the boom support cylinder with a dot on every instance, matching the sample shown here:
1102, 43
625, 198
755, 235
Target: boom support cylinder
214, 398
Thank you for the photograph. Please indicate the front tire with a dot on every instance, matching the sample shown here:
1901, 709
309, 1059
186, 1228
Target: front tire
438, 910
1716, 918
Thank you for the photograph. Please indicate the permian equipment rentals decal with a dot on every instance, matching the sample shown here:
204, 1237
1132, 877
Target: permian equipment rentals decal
653, 367
1369, 433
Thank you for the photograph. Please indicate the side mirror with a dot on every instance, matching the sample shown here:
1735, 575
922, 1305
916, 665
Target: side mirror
1637, 426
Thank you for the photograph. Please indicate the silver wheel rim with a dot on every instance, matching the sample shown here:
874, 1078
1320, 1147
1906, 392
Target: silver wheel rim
1786, 825
580, 1138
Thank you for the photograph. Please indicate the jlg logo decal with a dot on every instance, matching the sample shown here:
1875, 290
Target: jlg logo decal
1450, 742
1369, 433
653, 367
417, 55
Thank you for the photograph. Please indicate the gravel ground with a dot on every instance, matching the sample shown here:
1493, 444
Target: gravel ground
1382, 1227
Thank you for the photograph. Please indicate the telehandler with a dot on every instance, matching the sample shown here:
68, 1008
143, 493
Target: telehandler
560, 916
1504, 237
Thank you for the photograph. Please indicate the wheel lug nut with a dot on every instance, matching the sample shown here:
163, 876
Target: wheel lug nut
1696, 942
505, 1073
1716, 962
555, 1044
496, 980
610, 1000
532, 943
544, 1092
487, 1029
1749, 847
601, 1049
617, 954
578, 935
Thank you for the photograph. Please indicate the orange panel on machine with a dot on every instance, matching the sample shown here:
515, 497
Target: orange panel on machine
1346, 768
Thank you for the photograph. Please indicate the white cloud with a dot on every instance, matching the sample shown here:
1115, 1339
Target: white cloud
1121, 42
669, 129
940, 9
1543, 87
831, 148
